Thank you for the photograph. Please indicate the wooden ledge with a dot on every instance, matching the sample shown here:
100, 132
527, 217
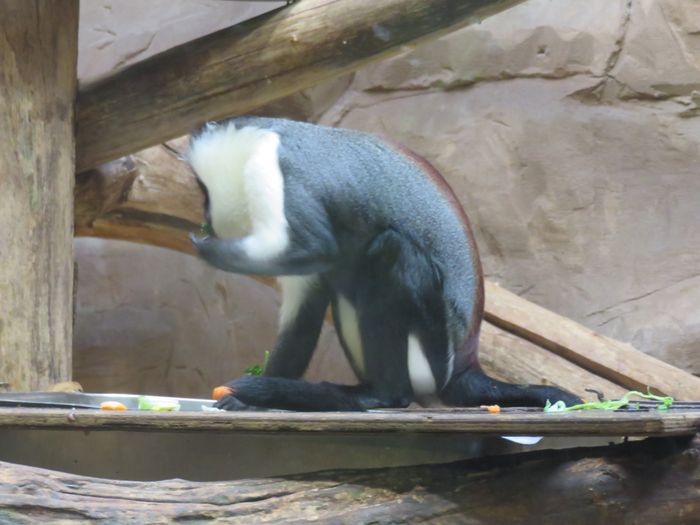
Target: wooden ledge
469, 421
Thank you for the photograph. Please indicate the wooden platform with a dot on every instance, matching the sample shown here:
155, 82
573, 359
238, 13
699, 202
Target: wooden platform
511, 422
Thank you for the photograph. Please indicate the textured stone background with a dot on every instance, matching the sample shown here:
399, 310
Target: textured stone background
567, 129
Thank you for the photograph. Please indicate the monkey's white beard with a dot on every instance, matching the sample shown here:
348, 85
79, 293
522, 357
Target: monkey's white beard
240, 169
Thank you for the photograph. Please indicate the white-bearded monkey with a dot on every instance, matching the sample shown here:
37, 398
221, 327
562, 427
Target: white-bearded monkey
368, 227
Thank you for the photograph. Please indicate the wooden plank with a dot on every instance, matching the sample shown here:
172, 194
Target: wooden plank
241, 68
608, 358
471, 421
508, 357
38, 54
648, 482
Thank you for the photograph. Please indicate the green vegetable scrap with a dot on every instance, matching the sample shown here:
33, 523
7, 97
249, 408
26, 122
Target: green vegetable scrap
205, 230
257, 370
158, 403
664, 403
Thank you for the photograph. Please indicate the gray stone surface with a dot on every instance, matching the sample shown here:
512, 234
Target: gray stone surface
116, 33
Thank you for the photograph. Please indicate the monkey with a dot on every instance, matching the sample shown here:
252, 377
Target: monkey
345, 219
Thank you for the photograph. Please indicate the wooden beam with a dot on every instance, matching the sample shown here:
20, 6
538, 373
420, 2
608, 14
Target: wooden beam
516, 422
605, 357
648, 482
38, 54
241, 68
151, 197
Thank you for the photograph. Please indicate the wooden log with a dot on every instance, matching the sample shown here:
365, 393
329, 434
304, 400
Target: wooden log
151, 197
513, 422
241, 68
608, 358
38, 54
648, 482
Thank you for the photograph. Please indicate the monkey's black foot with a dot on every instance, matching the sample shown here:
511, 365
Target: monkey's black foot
231, 403
474, 388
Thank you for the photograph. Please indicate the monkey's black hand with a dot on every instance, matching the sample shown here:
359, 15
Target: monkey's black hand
231, 403
203, 245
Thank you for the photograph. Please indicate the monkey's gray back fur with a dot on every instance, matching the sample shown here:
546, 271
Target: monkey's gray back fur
363, 186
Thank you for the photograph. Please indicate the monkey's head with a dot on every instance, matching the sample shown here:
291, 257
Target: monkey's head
218, 155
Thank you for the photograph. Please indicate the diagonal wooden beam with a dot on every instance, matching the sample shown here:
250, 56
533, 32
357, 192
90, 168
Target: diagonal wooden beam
613, 360
243, 67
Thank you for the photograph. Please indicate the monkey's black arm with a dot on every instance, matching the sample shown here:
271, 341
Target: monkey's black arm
298, 336
231, 255
294, 394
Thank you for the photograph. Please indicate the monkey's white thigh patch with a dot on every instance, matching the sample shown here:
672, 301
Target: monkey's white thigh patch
264, 187
350, 332
295, 290
422, 378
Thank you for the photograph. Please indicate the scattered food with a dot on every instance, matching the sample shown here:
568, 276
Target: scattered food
158, 403
220, 391
492, 409
664, 403
257, 370
112, 405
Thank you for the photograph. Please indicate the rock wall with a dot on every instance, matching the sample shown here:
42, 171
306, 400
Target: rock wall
567, 129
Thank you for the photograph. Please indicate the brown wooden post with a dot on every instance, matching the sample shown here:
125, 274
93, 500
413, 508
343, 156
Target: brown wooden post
38, 55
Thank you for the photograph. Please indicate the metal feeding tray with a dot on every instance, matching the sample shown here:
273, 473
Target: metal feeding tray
89, 401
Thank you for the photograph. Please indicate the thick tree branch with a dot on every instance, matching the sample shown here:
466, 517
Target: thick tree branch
654, 481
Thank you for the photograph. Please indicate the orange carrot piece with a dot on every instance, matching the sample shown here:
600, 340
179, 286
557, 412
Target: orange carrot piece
112, 405
221, 391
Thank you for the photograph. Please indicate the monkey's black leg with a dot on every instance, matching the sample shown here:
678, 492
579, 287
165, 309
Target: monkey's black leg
384, 343
304, 303
390, 292
384, 336
382, 325
473, 388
